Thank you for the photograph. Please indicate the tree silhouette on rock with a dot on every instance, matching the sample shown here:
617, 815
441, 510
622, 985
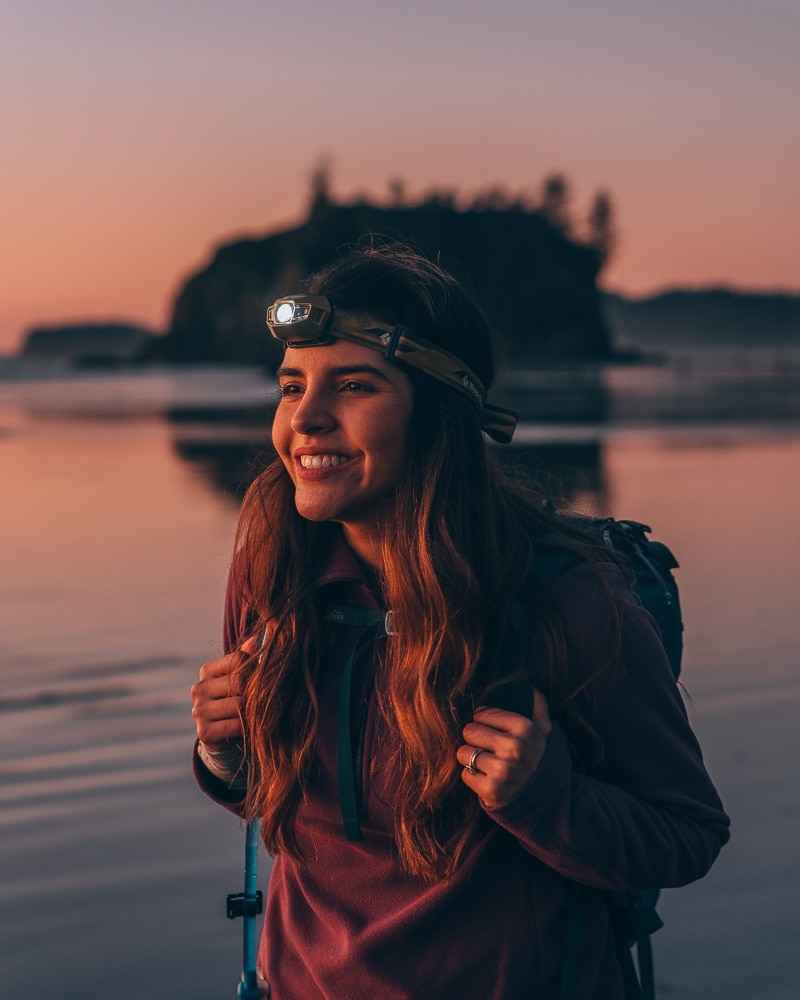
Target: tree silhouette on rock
536, 283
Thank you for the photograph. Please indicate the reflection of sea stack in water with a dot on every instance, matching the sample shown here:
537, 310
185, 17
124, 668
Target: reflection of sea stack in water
228, 466
228, 456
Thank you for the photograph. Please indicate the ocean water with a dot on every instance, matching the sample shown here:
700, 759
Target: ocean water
118, 501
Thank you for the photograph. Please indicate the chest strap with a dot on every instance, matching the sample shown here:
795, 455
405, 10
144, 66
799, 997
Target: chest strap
340, 614
376, 624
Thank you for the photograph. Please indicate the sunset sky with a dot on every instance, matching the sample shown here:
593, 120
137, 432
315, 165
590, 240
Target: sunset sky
136, 137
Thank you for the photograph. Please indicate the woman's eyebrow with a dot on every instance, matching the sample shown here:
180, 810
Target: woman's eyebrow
338, 372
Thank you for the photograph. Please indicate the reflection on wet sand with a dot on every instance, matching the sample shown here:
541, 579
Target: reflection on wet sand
229, 446
566, 472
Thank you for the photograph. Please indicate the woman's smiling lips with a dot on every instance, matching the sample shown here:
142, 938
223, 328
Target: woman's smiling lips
322, 461
313, 461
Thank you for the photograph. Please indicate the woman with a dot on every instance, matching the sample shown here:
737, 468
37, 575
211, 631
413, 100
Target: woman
432, 795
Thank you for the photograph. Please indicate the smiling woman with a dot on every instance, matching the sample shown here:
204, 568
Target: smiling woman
340, 430
453, 759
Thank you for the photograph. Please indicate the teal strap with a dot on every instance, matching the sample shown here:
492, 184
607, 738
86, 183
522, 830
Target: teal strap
348, 798
636, 920
623, 939
633, 990
644, 921
572, 942
647, 976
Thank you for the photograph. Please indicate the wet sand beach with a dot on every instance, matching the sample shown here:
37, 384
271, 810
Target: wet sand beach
114, 542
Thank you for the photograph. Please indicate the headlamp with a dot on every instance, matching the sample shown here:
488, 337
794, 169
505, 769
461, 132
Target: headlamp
301, 320
311, 321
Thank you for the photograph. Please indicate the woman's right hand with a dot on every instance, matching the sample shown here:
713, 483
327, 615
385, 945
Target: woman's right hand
216, 699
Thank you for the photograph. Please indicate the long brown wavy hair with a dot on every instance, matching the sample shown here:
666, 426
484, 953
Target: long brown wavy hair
457, 554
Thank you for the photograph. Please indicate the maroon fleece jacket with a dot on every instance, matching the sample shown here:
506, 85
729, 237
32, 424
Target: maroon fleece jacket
349, 923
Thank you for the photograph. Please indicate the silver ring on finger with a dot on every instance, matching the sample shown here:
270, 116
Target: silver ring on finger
471, 766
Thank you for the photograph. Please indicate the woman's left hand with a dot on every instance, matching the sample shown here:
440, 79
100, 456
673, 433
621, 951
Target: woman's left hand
511, 747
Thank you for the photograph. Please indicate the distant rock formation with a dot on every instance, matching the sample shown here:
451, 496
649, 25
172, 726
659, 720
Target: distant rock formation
717, 318
537, 285
90, 344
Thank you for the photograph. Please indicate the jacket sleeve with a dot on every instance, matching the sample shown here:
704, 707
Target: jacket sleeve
647, 815
236, 621
216, 789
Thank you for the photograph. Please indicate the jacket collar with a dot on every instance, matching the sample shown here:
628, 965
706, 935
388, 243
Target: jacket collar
343, 566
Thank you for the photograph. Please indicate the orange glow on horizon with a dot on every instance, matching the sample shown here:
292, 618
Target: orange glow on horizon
140, 139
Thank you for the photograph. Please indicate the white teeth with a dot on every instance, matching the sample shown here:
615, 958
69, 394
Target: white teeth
321, 461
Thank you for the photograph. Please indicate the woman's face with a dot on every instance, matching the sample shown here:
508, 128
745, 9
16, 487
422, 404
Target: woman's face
340, 429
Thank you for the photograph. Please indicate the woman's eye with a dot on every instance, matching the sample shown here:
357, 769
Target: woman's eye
289, 389
352, 386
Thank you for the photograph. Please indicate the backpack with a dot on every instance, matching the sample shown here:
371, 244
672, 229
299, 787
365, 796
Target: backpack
650, 565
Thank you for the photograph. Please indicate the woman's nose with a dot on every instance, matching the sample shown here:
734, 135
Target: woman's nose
313, 414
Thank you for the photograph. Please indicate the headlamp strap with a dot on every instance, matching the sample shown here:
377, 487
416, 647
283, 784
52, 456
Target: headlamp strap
499, 423
320, 322
398, 331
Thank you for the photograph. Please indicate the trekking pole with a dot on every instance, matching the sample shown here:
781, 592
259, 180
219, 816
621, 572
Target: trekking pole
248, 904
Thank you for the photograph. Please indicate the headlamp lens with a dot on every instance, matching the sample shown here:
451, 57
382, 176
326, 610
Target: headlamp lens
289, 311
285, 312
